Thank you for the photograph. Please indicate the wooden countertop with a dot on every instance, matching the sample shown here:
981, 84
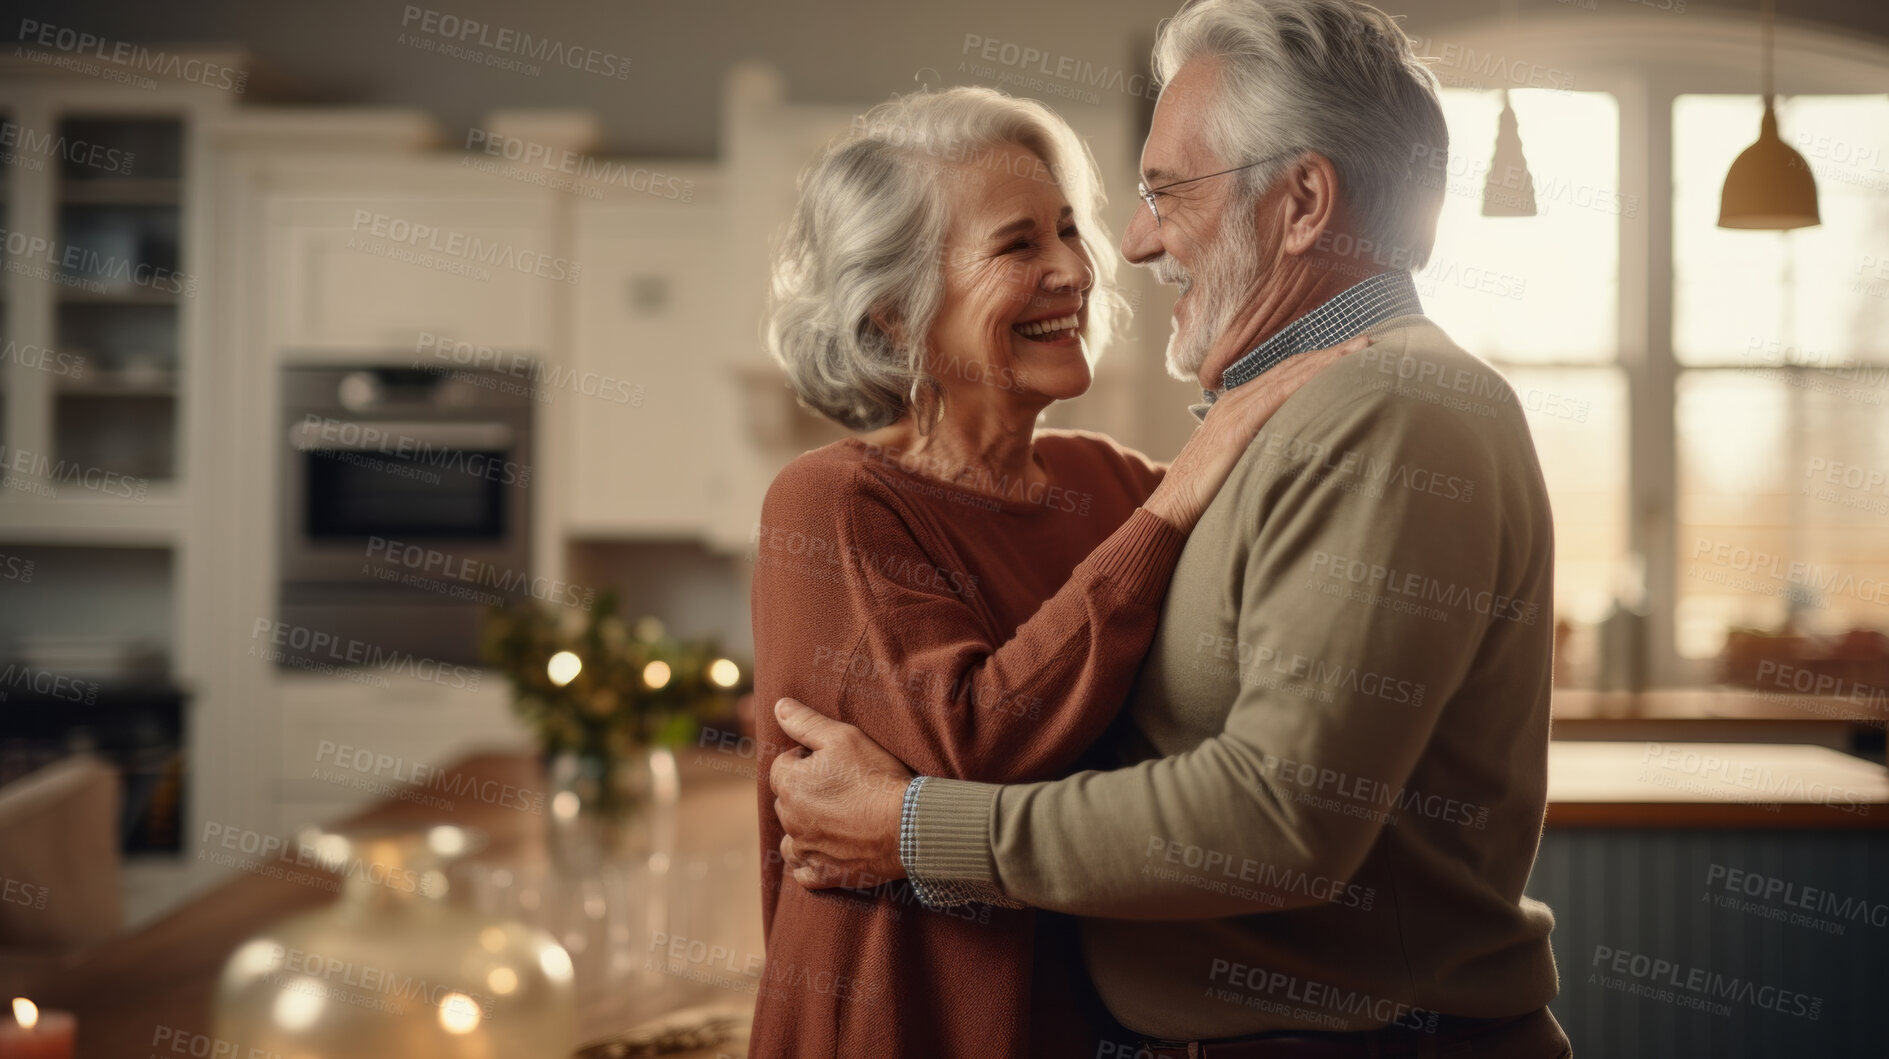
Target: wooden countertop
1576, 706
1647, 784
161, 978
1598, 787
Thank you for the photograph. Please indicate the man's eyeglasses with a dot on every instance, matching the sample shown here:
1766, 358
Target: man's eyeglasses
1147, 193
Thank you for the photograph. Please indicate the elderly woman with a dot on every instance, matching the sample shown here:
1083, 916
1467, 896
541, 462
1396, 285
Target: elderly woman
974, 593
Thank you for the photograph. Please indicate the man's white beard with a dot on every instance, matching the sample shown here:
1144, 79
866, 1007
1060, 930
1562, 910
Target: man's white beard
1228, 270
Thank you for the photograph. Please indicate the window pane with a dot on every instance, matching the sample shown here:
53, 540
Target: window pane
1532, 289
1579, 419
1815, 296
1783, 506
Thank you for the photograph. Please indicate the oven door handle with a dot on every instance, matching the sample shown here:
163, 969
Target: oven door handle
386, 436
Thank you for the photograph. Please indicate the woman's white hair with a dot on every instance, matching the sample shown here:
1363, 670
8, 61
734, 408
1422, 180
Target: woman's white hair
1336, 77
858, 270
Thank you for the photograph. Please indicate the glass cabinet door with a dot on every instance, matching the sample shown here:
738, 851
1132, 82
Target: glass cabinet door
117, 294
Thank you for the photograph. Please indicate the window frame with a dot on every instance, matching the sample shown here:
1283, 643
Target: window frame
1646, 60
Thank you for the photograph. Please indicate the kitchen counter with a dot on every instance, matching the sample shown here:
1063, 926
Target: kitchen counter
160, 978
1650, 784
1719, 714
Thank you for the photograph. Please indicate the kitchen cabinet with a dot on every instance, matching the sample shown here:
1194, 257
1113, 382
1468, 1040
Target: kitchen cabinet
345, 744
102, 307
649, 415
367, 272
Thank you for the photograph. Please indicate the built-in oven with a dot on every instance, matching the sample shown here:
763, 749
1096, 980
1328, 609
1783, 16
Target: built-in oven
406, 513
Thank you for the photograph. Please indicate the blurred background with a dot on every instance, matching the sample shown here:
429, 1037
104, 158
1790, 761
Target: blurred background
385, 425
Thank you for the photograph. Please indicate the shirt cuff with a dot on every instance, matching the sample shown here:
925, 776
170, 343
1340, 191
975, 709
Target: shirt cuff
951, 866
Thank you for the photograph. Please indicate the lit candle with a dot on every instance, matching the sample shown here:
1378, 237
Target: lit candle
34, 1034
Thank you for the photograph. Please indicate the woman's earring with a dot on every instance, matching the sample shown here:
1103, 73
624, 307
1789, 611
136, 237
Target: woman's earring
921, 416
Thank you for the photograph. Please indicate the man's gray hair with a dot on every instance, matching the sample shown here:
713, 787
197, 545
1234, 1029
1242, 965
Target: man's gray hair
1336, 77
858, 278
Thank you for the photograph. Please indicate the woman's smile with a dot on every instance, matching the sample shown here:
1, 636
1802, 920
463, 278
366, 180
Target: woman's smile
1058, 331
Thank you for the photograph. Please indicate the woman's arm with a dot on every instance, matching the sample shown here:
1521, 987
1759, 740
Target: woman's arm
925, 678
906, 641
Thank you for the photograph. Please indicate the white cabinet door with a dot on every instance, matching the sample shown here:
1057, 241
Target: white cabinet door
651, 450
382, 274
343, 745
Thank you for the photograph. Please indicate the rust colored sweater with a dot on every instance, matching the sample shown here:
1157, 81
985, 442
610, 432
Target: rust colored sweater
973, 637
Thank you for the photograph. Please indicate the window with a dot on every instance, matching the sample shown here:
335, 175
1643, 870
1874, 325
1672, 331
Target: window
1757, 430
1548, 320
1782, 407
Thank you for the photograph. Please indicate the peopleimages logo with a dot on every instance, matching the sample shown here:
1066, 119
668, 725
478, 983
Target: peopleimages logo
76, 265
39, 358
322, 651
24, 894
1795, 896
29, 469
1417, 586
127, 56
462, 247
553, 163
433, 562
344, 438
513, 43
32, 148
387, 768
1022, 59
44, 682
539, 378
1675, 983
17, 568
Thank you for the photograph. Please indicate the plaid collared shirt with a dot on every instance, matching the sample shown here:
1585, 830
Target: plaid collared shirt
1350, 312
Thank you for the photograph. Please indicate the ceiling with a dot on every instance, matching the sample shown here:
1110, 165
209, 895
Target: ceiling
839, 51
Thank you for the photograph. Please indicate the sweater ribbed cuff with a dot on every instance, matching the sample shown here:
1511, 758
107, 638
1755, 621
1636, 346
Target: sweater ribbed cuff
1139, 557
949, 848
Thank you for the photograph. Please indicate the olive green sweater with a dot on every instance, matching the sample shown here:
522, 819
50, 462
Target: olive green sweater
1329, 781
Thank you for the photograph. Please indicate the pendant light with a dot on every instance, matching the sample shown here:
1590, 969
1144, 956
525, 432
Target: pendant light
1509, 190
1769, 186
1505, 193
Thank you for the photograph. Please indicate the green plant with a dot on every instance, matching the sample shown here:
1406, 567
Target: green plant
630, 687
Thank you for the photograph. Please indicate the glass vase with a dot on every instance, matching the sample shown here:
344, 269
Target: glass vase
610, 810
394, 969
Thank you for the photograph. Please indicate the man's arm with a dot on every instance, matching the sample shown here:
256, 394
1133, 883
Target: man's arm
1398, 587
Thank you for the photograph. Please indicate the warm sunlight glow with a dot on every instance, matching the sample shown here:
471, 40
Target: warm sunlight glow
1493, 281
1780, 420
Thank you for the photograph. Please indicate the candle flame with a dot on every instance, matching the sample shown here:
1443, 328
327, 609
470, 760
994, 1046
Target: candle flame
25, 1012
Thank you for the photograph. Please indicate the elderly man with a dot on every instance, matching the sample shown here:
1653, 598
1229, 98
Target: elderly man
1322, 802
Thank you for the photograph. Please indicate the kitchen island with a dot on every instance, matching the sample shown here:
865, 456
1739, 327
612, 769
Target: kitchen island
1649, 850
